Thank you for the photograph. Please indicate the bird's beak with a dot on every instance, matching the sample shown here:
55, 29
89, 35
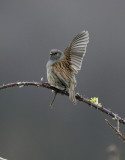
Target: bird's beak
50, 53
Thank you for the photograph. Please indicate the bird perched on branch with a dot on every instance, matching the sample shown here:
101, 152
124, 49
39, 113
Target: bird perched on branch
62, 67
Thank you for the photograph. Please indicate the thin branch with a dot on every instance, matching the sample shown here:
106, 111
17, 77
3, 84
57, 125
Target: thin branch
63, 92
118, 125
116, 130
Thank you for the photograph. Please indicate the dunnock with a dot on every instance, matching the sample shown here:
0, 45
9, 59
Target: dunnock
62, 67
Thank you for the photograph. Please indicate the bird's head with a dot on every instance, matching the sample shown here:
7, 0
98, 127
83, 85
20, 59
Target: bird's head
56, 54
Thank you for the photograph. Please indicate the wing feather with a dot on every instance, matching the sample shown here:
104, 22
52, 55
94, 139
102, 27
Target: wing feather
75, 52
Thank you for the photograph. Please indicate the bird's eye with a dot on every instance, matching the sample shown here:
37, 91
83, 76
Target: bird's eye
55, 53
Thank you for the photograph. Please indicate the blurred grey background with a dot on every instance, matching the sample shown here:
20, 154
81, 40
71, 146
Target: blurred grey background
29, 29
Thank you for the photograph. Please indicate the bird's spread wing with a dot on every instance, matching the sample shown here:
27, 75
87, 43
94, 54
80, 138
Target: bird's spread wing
75, 52
72, 60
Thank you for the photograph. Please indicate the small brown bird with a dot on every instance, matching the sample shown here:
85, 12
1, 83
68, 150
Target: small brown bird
62, 67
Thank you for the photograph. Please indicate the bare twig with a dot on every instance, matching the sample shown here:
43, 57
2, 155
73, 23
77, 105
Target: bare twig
118, 125
116, 129
63, 92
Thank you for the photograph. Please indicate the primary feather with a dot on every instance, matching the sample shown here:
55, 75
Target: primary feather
75, 52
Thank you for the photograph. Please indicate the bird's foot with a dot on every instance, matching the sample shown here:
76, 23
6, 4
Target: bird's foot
64, 90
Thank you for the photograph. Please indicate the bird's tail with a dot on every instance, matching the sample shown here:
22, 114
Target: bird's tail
72, 93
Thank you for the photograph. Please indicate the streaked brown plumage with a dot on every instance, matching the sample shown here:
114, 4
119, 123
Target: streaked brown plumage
62, 67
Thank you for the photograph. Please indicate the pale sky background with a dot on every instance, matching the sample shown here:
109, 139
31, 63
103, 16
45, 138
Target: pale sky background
29, 29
